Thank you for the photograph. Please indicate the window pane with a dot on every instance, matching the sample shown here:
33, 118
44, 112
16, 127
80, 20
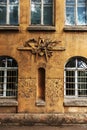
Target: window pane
81, 15
82, 5
3, 2
81, 10
48, 15
82, 77
70, 18
35, 1
11, 63
14, 15
2, 15
80, 2
48, 1
82, 93
35, 14
81, 64
15, 2
70, 2
70, 12
1, 82
82, 83
2, 62
71, 63
11, 83
70, 83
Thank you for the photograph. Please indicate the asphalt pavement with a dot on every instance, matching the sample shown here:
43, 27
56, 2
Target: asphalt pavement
80, 127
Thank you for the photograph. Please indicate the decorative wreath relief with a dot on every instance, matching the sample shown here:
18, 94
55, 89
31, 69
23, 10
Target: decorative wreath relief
41, 47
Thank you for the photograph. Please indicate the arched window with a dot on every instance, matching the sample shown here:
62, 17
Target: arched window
76, 77
8, 77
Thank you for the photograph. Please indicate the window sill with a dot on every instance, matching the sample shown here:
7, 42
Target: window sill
9, 28
75, 102
41, 28
40, 103
8, 102
75, 28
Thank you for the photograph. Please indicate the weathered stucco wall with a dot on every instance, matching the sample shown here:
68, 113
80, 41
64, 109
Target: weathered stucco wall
74, 44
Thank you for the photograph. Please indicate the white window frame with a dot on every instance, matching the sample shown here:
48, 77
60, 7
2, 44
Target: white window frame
76, 15
75, 69
8, 12
42, 12
5, 69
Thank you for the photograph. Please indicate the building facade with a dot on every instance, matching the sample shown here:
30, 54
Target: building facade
43, 58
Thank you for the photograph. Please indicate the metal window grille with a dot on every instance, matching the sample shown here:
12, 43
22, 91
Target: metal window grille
8, 77
75, 78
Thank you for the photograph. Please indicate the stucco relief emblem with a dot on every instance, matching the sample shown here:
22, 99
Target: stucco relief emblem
40, 47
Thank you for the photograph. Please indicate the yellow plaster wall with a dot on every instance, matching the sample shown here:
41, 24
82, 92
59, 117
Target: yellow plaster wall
75, 44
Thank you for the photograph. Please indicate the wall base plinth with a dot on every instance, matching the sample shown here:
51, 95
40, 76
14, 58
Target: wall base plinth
43, 119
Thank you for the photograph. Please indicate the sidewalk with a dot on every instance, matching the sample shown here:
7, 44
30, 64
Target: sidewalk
81, 127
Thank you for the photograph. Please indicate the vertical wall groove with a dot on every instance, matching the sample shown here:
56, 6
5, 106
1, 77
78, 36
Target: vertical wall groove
41, 84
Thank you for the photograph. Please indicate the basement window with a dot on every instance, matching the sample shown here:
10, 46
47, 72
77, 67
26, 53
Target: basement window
41, 87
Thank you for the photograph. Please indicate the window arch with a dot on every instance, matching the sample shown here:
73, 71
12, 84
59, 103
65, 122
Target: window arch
75, 77
8, 77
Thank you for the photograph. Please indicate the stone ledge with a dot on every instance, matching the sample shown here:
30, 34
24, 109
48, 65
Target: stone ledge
40, 103
53, 49
75, 28
45, 119
41, 28
8, 102
75, 102
9, 28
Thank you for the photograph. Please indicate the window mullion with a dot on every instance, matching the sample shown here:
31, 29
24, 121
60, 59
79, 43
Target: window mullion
53, 12
76, 83
8, 12
42, 12
76, 80
86, 12
64, 83
5, 79
76, 13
